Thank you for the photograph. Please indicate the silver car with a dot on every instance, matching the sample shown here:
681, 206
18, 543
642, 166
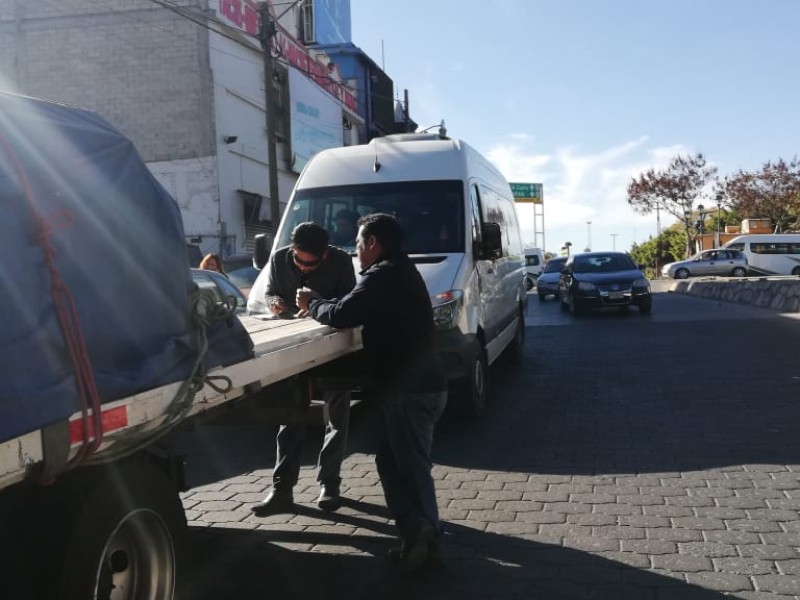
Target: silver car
726, 263
219, 285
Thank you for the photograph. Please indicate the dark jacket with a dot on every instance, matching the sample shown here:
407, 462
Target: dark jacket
392, 304
333, 278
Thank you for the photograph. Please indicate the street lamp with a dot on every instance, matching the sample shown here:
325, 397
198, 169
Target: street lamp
614, 241
719, 221
687, 222
701, 223
589, 236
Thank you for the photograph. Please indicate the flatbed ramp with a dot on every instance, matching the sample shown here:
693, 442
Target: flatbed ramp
283, 348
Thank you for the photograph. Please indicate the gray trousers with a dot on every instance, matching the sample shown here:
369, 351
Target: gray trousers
404, 457
290, 444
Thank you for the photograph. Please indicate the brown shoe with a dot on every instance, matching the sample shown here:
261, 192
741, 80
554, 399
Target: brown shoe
277, 502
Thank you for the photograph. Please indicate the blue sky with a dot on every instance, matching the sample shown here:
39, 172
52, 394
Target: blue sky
582, 95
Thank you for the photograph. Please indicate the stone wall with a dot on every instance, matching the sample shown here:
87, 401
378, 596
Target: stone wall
778, 293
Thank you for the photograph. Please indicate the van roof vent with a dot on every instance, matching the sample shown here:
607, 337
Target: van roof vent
410, 137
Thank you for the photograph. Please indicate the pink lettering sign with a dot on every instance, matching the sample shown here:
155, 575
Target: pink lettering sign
244, 14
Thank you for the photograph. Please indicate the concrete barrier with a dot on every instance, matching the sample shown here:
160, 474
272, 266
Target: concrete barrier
781, 293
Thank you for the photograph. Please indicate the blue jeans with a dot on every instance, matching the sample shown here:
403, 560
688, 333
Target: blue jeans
290, 445
404, 457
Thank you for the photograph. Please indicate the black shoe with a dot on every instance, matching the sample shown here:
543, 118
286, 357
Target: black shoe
329, 498
416, 549
435, 555
275, 503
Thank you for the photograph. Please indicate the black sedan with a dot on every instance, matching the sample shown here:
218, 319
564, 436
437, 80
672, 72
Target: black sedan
603, 279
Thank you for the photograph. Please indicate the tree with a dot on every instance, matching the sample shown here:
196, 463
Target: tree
773, 192
673, 190
658, 251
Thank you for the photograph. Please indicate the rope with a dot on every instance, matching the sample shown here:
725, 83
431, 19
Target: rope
204, 310
64, 304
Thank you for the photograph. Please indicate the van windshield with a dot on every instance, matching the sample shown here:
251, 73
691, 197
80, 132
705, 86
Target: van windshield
430, 212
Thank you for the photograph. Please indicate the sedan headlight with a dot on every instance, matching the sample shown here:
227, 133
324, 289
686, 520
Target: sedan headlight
641, 284
585, 286
446, 308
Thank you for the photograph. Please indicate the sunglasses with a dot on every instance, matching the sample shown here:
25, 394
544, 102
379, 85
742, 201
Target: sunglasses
306, 263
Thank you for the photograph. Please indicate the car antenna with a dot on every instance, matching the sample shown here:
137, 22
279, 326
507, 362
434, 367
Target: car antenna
376, 166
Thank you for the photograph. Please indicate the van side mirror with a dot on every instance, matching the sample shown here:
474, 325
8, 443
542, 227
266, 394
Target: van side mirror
491, 241
262, 247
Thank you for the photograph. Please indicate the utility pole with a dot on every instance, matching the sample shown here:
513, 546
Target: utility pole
614, 241
266, 33
658, 239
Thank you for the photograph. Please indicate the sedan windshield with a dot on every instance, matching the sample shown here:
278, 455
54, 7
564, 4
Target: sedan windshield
554, 266
603, 263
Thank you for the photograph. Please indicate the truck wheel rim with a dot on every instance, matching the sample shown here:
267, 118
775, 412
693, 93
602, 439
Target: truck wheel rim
138, 560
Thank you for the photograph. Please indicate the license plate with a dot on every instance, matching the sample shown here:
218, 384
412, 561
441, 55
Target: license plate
615, 295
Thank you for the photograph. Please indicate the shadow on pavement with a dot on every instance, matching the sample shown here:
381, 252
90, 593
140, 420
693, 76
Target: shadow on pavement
278, 562
629, 402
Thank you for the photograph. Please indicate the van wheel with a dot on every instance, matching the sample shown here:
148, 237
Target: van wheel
470, 391
796, 271
528, 283
739, 272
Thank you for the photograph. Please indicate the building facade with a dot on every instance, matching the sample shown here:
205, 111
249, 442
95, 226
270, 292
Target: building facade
184, 80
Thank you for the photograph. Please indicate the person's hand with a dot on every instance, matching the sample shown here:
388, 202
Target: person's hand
278, 306
301, 314
303, 297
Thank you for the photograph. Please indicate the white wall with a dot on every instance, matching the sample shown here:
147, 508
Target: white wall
239, 111
193, 184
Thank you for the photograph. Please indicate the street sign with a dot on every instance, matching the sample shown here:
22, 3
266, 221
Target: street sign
530, 193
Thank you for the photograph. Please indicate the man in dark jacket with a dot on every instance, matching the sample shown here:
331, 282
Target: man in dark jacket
392, 304
308, 261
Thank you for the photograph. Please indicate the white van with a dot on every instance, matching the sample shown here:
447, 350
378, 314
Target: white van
534, 263
769, 254
460, 227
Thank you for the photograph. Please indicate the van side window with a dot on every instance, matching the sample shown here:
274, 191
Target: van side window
474, 198
511, 227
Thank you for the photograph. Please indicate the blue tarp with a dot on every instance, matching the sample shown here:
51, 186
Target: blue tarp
120, 250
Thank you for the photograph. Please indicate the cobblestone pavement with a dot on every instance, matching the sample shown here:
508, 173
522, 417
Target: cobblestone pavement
626, 459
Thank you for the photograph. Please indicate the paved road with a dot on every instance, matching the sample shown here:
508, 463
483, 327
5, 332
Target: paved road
631, 457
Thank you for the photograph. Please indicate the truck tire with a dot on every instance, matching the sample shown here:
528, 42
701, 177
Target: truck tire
125, 535
469, 393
